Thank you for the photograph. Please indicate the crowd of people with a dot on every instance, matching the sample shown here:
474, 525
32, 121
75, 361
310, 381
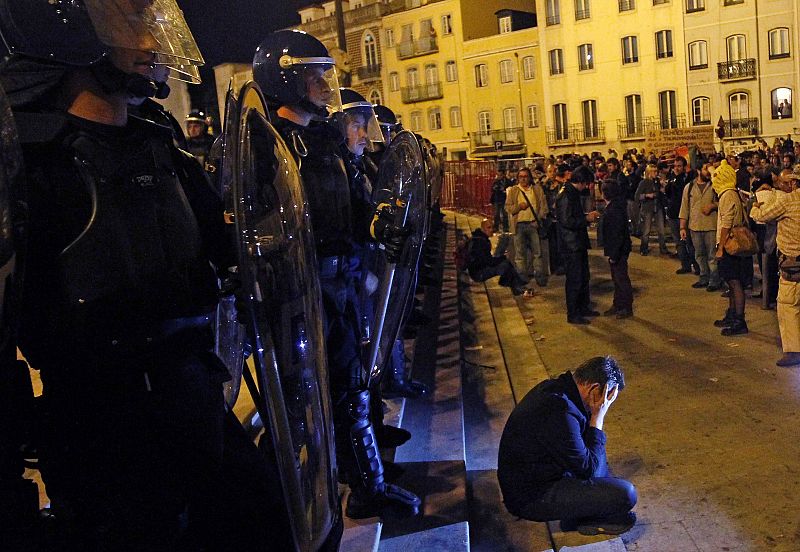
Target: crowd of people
549, 206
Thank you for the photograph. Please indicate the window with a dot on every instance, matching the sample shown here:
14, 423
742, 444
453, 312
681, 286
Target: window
560, 120
633, 115
389, 38
450, 71
416, 121
528, 68
481, 75
533, 116
667, 106
698, 55
591, 129
585, 59
431, 74
434, 118
701, 111
739, 106
412, 77
695, 5
664, 44
510, 118
627, 5
394, 82
447, 24
455, 117
556, 61
506, 70
553, 12
357, 5
781, 103
630, 49
736, 47
505, 24
485, 122
581, 9
779, 43
369, 50
375, 97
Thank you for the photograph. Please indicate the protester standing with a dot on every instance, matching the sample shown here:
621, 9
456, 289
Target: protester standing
617, 247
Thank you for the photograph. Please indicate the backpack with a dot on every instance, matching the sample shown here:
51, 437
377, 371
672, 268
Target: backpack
461, 257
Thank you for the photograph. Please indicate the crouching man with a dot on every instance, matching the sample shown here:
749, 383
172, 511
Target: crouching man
483, 265
552, 458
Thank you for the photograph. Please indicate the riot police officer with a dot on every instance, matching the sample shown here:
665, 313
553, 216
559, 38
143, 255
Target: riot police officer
198, 140
298, 78
117, 288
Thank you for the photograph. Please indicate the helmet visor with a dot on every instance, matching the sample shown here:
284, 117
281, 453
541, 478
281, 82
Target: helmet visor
156, 26
359, 120
319, 84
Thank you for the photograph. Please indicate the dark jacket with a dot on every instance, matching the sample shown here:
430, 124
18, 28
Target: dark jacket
573, 235
646, 204
674, 192
480, 253
547, 438
499, 188
616, 235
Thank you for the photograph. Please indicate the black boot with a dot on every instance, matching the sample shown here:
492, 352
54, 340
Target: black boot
370, 495
727, 320
738, 327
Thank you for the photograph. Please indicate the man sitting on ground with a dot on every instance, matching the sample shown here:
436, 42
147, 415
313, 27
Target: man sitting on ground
483, 265
552, 458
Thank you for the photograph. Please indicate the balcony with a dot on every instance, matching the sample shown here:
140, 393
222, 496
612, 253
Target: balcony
694, 6
421, 93
369, 72
627, 5
732, 2
559, 136
582, 14
357, 16
659, 2
553, 20
637, 130
633, 130
741, 69
739, 128
589, 134
501, 141
420, 47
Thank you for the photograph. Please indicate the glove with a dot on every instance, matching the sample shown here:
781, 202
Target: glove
393, 238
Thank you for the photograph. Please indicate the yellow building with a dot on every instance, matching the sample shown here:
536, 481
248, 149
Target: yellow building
743, 66
614, 70
502, 89
425, 74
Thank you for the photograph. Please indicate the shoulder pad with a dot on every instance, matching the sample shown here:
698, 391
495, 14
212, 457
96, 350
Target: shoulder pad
39, 128
152, 127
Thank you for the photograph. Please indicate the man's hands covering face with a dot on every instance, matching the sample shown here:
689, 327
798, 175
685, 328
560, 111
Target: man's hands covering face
599, 403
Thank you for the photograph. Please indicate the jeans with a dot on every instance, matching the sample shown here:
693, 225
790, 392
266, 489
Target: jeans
648, 214
685, 248
570, 498
508, 274
528, 250
623, 291
705, 244
500, 216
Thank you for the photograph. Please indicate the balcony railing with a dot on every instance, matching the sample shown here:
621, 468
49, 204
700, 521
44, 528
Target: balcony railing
364, 14
630, 130
693, 6
735, 128
627, 5
659, 2
584, 134
559, 136
737, 70
553, 20
369, 72
636, 130
419, 47
732, 2
582, 14
421, 93
509, 138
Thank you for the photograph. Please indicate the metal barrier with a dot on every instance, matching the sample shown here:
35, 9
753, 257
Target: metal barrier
468, 186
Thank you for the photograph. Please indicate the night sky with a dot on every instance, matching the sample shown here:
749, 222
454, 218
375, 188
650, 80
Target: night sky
230, 31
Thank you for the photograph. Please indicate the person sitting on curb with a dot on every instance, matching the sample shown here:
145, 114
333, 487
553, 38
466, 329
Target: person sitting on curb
483, 265
552, 459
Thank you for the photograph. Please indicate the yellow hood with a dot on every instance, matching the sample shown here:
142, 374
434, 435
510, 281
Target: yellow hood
724, 178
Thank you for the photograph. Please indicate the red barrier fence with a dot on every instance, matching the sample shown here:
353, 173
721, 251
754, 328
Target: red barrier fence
467, 186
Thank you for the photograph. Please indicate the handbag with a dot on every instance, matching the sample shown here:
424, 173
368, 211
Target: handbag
790, 268
545, 225
741, 240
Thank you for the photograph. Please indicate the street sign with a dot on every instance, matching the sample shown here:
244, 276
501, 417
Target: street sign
498, 145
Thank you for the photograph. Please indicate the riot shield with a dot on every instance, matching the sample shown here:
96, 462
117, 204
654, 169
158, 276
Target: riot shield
281, 296
401, 182
10, 173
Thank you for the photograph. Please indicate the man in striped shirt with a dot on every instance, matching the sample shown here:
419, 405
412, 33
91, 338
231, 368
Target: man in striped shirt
783, 205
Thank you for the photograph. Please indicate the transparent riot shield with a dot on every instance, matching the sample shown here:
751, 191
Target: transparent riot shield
283, 313
401, 182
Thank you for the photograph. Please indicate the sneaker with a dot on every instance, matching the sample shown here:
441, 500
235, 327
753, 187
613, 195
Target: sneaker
683, 270
607, 527
699, 284
624, 314
789, 359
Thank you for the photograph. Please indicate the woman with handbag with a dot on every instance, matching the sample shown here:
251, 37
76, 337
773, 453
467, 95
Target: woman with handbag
736, 245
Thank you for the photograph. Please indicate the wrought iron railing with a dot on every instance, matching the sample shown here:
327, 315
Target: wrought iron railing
735, 70
627, 5
507, 136
421, 93
629, 130
582, 14
420, 47
369, 72
592, 133
553, 20
559, 135
741, 127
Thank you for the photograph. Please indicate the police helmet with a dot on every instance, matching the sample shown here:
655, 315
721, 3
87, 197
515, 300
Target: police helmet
388, 121
357, 121
196, 116
287, 62
83, 33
